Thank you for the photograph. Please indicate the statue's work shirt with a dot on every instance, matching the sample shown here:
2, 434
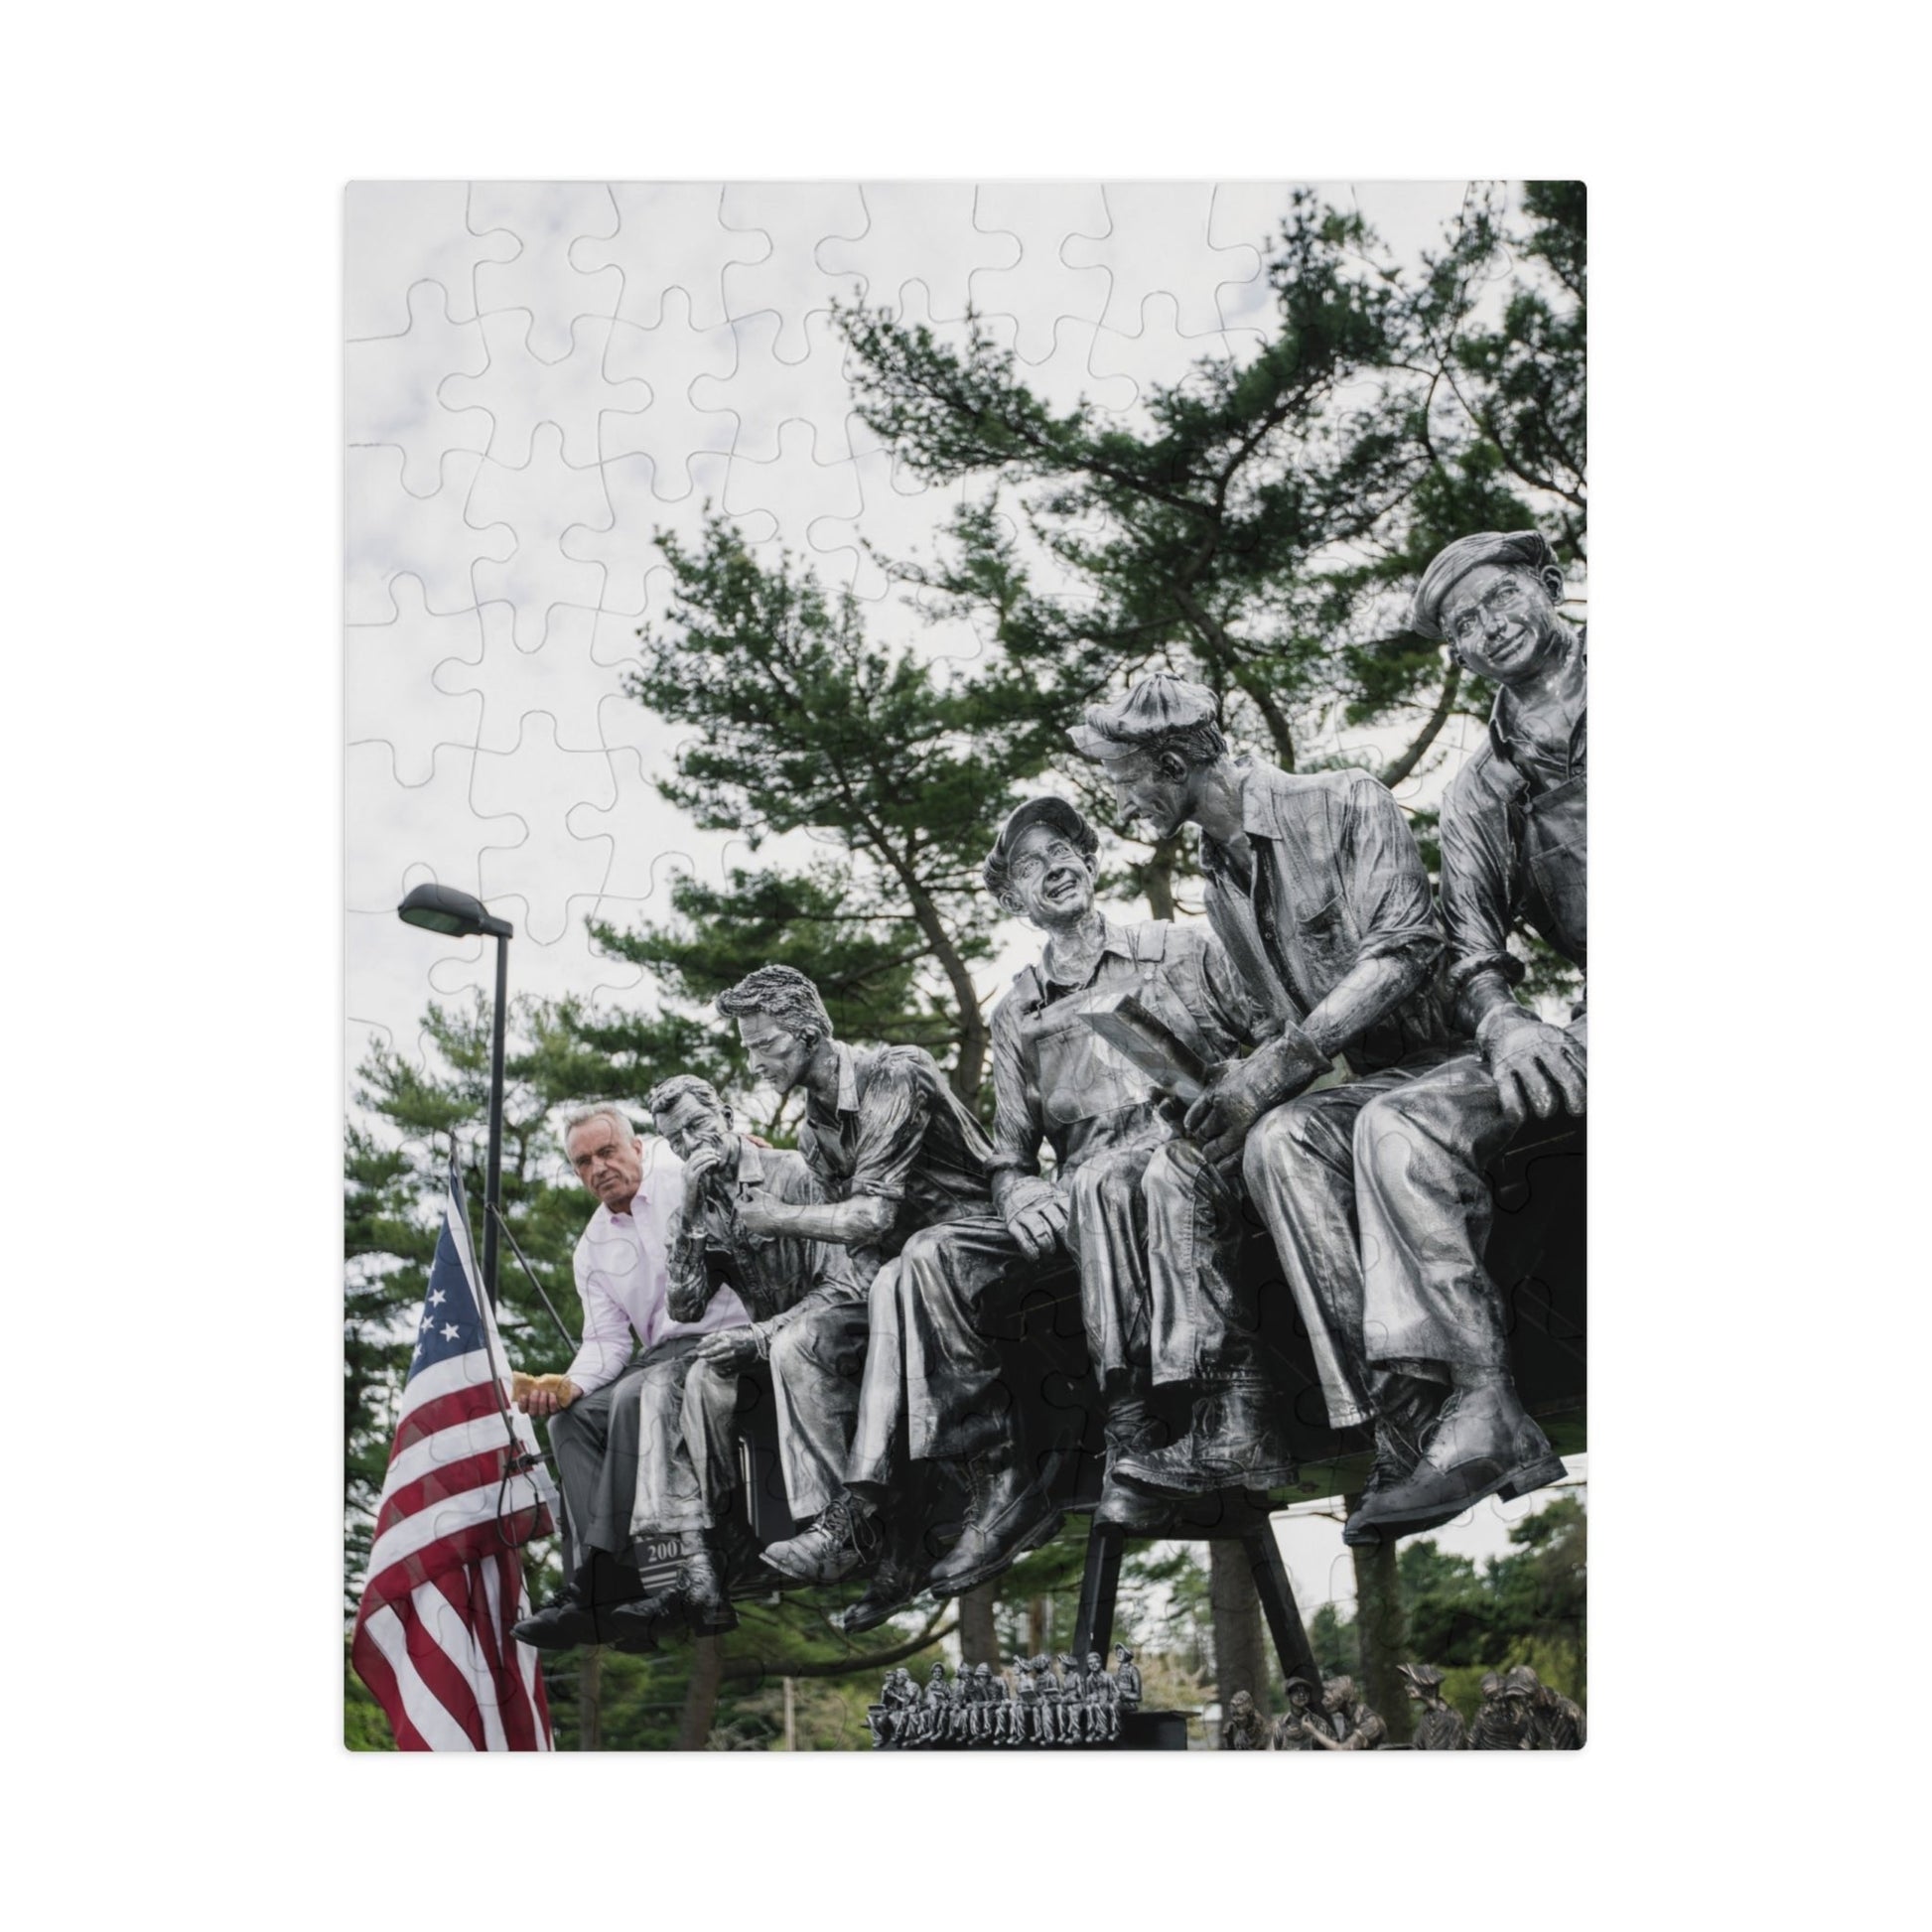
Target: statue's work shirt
898, 1130
1335, 880
1516, 845
1056, 1079
775, 1277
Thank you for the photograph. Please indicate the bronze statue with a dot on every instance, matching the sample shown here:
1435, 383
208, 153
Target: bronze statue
1346, 1724
1503, 1723
1295, 1728
1126, 1680
1555, 1721
1440, 1726
907, 1172
1059, 1078
1073, 1710
1318, 894
808, 1322
1243, 1729
1515, 845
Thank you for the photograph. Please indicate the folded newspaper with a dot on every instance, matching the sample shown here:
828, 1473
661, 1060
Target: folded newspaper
1153, 1046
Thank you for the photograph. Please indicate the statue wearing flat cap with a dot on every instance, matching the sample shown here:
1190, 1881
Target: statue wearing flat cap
1318, 894
1514, 837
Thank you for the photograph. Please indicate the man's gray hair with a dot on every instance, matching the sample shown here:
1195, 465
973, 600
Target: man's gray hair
615, 1115
667, 1093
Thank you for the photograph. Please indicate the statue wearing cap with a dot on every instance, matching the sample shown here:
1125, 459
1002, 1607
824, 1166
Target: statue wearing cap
1318, 894
1515, 845
1077, 1066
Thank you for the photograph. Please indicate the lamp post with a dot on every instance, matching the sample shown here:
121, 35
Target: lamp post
442, 908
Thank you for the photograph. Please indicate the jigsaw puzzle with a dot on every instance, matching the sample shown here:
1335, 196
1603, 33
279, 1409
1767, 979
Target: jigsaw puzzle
966, 872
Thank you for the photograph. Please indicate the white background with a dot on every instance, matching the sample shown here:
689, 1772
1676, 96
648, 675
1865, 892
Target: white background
174, 802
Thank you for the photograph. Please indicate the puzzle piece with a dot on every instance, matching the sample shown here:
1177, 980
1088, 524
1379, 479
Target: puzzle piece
386, 379
517, 391
671, 237
391, 531
537, 503
390, 688
398, 235
547, 222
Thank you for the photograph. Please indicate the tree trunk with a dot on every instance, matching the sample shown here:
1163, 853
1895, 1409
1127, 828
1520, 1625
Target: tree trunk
1393, 774
1039, 1625
1379, 1624
590, 1695
1240, 1659
701, 1694
1154, 876
979, 1640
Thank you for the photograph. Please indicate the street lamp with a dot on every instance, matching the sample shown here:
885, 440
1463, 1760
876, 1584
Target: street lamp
442, 908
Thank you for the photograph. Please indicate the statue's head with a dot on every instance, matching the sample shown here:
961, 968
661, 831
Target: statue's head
1419, 1682
984, 1672
1155, 746
1299, 1692
691, 1115
1337, 1693
1094, 1660
1522, 1684
1044, 865
1125, 1655
1492, 1686
1492, 597
1241, 1705
780, 1023
939, 1674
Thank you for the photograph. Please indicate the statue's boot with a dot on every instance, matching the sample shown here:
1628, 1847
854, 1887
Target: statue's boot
1010, 1511
1409, 1409
1234, 1441
706, 1601
844, 1537
902, 1572
1125, 1505
1484, 1444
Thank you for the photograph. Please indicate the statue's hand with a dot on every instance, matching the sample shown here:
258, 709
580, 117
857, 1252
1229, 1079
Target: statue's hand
1243, 1090
1035, 1217
1537, 1068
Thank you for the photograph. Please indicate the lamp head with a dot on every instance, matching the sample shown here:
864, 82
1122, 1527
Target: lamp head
442, 908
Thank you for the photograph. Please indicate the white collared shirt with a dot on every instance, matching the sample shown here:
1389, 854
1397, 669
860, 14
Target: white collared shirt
622, 1277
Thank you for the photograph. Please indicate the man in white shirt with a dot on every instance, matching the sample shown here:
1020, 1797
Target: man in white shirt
607, 1411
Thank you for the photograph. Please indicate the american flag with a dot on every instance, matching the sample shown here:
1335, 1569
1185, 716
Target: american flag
465, 1487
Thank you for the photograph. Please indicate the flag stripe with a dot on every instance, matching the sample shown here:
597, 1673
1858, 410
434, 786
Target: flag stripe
433, 1633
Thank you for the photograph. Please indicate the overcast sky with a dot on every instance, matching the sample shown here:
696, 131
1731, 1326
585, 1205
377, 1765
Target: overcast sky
539, 376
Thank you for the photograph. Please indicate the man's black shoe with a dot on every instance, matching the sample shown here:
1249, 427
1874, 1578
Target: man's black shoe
563, 1622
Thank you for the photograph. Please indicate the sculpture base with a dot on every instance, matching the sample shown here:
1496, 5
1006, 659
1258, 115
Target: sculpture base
1143, 1730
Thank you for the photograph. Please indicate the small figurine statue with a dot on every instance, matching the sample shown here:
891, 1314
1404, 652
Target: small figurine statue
1349, 1725
1440, 1726
1073, 1715
1026, 1704
1049, 1708
1555, 1721
898, 1699
1126, 1680
1503, 1723
936, 1707
999, 1707
1098, 1693
1295, 1728
965, 1706
1243, 1729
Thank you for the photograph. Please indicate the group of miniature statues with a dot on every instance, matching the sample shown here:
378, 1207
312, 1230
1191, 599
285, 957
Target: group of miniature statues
1519, 1712
1047, 1701
1332, 1055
